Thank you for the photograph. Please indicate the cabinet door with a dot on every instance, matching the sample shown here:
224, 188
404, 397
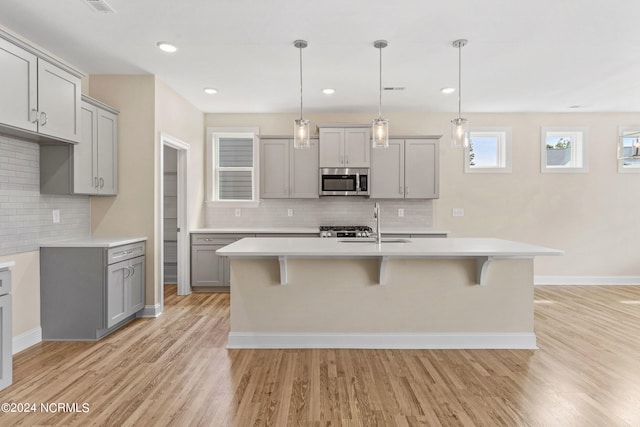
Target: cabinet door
116, 297
58, 102
274, 168
6, 358
107, 148
387, 171
18, 86
357, 146
331, 147
207, 268
421, 169
304, 172
135, 285
85, 153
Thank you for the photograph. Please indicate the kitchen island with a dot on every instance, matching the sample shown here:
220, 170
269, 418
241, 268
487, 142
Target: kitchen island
400, 293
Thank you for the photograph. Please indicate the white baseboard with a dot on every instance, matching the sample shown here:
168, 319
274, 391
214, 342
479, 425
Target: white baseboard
525, 340
586, 280
151, 311
26, 340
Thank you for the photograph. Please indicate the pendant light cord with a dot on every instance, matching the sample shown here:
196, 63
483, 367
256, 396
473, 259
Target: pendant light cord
459, 81
300, 49
380, 87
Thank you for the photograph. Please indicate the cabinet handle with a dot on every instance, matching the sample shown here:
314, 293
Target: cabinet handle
406, 190
346, 159
132, 270
46, 119
95, 182
126, 272
35, 115
400, 191
101, 182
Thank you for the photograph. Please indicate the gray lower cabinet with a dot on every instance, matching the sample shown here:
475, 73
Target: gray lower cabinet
88, 292
6, 334
208, 269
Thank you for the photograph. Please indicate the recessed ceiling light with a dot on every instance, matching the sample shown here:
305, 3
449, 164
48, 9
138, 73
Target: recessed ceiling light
328, 91
210, 91
166, 47
448, 90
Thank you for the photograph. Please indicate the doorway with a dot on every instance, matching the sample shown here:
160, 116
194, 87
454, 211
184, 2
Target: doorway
173, 230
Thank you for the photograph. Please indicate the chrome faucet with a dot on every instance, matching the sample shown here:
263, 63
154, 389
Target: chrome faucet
376, 215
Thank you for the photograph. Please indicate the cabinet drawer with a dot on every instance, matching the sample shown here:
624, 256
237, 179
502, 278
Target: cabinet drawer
125, 252
216, 239
5, 282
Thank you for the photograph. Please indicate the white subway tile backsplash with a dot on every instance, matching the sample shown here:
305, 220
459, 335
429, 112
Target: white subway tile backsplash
324, 211
25, 214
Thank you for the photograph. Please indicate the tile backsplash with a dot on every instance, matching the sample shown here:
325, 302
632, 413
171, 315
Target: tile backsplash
324, 211
25, 214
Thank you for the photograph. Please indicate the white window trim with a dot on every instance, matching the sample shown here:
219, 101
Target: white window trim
583, 154
210, 185
504, 150
622, 130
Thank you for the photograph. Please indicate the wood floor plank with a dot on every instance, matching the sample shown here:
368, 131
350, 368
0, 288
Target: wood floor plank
176, 371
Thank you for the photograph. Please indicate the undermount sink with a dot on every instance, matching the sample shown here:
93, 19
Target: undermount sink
366, 240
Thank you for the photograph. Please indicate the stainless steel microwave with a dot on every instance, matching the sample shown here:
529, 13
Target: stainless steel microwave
344, 182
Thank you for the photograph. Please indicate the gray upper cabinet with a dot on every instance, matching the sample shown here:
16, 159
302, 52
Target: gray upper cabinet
408, 169
286, 172
19, 100
345, 147
40, 100
89, 167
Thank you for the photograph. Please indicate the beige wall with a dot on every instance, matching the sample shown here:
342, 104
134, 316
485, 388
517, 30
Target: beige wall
590, 216
25, 291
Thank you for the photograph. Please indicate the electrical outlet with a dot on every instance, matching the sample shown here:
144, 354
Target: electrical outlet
289, 212
400, 212
458, 212
238, 212
55, 216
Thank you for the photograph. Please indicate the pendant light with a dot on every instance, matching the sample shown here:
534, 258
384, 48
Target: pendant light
459, 125
301, 126
380, 126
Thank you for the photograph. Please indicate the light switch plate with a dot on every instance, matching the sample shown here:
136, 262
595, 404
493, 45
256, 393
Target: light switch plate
458, 212
400, 212
55, 216
289, 212
238, 212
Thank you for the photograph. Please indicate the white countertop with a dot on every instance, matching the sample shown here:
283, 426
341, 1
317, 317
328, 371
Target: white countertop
306, 230
7, 264
93, 242
446, 247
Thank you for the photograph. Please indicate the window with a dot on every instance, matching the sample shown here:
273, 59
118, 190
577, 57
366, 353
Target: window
629, 149
232, 166
564, 150
489, 151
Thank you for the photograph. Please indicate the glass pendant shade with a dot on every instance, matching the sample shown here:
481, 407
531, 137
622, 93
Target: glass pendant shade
301, 131
459, 132
380, 133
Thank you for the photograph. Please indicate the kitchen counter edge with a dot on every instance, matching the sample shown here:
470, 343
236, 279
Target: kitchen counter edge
93, 242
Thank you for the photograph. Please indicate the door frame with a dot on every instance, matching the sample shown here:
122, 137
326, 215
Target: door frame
184, 287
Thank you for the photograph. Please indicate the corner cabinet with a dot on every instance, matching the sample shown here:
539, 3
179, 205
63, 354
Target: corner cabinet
408, 169
345, 147
40, 96
286, 172
88, 292
89, 167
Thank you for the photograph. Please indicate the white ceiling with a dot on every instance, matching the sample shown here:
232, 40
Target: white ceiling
543, 55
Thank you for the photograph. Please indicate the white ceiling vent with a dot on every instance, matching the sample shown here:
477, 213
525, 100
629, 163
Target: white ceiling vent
100, 6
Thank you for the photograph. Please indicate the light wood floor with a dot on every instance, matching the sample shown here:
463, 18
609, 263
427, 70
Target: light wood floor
175, 370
